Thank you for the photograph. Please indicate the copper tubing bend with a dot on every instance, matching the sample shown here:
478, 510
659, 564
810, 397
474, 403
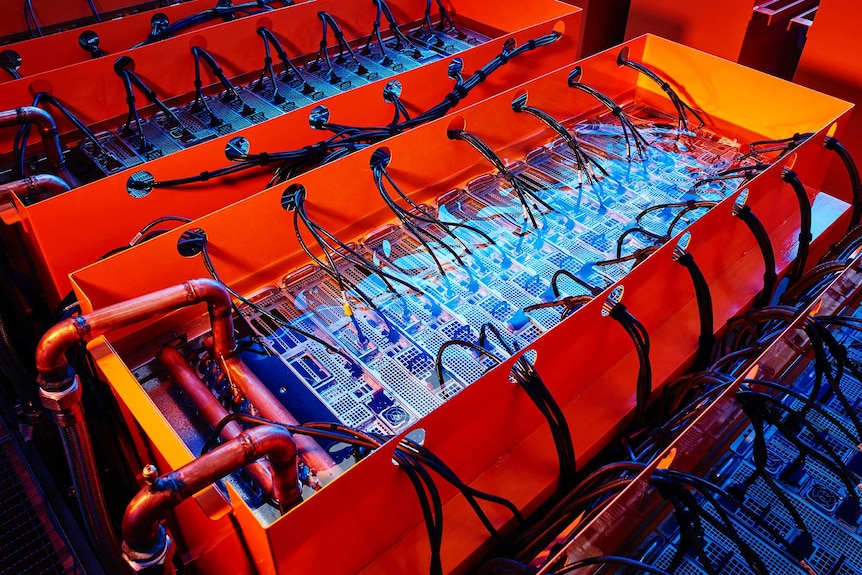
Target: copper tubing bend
142, 533
48, 132
210, 409
38, 187
55, 373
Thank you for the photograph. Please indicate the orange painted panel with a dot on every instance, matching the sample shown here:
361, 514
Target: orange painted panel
489, 433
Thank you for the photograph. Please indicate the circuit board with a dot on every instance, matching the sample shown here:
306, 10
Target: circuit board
436, 291
816, 489
399, 294
331, 72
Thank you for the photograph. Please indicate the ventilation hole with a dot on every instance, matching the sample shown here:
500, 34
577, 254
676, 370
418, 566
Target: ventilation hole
519, 101
237, 148
576, 75
198, 41
140, 184
791, 161
381, 158
623, 55
615, 297
41, 85
191, 242
830, 133
682, 245
741, 198
560, 27
456, 125
288, 197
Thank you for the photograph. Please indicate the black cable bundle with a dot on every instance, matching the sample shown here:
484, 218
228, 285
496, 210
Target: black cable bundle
706, 340
523, 192
195, 242
682, 109
640, 338
19, 148
400, 39
226, 12
640, 143
348, 139
122, 67
528, 378
744, 172
805, 236
199, 104
853, 172
343, 45
290, 70
585, 162
415, 215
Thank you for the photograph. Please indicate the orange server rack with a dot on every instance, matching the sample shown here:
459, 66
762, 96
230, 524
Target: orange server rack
829, 64
62, 48
52, 14
107, 216
489, 432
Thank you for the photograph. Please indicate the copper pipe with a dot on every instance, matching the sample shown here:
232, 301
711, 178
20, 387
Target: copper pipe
38, 187
142, 532
54, 371
271, 408
47, 131
210, 409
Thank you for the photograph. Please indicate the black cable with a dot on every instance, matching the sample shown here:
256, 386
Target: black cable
770, 276
23, 135
813, 282
682, 109
231, 94
94, 11
640, 143
805, 236
30, 17
706, 340
203, 242
495, 160
290, 70
834, 145
640, 338
584, 161
207, 15
350, 138
528, 379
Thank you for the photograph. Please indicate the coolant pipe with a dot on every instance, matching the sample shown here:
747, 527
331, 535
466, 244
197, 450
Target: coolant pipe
254, 390
49, 134
210, 409
60, 390
35, 188
61, 393
145, 541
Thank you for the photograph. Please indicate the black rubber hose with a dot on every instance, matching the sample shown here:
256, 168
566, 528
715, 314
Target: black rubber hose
834, 145
770, 276
706, 341
78, 448
805, 237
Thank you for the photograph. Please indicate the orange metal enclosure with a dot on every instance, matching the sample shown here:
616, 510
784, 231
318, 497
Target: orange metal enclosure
368, 520
830, 63
62, 48
50, 13
106, 216
716, 27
